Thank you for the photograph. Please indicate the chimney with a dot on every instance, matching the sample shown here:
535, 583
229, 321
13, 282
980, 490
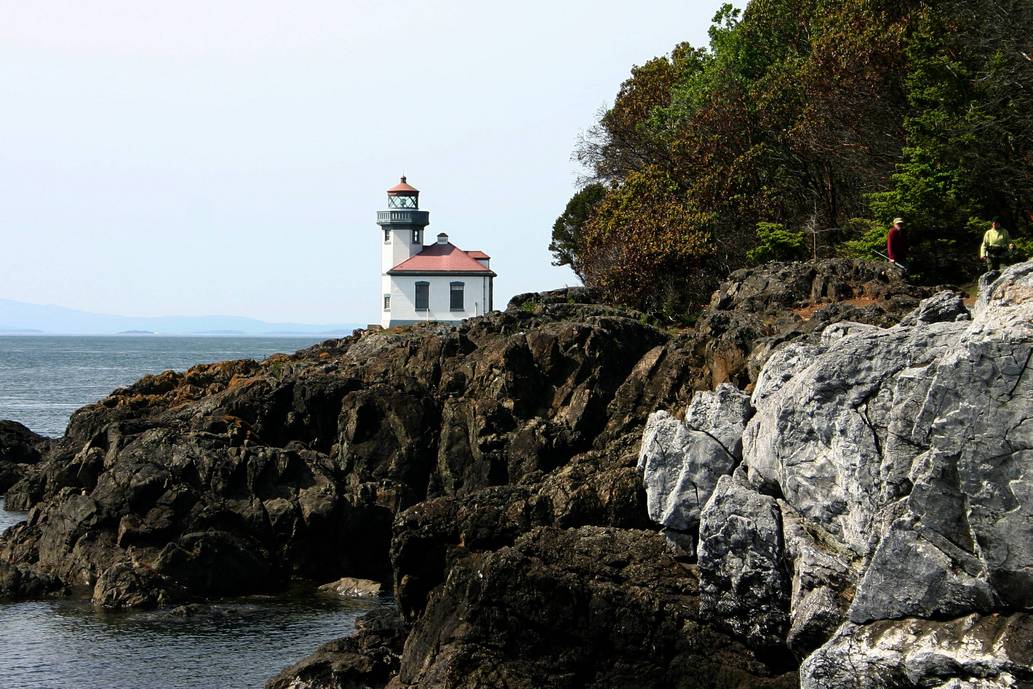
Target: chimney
442, 238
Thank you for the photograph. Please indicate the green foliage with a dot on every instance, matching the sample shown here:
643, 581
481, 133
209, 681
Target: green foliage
776, 243
807, 113
968, 129
566, 231
644, 245
1023, 249
867, 239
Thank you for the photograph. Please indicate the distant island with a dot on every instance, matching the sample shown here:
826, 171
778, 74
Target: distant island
23, 318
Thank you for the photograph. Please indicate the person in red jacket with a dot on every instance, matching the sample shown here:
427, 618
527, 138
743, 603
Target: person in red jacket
896, 244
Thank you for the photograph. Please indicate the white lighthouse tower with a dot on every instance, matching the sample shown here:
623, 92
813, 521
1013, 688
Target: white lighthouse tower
436, 282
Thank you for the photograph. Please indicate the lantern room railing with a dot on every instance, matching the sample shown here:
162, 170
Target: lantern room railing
403, 217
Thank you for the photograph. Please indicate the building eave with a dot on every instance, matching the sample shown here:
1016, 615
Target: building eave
483, 274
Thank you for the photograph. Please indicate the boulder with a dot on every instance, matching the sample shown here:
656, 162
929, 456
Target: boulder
21, 581
888, 471
971, 652
369, 658
350, 587
681, 461
20, 449
883, 491
744, 586
589, 607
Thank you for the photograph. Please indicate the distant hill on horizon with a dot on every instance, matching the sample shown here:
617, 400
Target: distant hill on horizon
23, 318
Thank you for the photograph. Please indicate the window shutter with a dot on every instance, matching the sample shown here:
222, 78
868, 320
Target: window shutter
422, 296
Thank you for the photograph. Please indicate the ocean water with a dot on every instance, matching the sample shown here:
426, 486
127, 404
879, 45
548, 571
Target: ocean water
67, 644
43, 379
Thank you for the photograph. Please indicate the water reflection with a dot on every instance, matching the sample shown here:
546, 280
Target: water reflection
9, 519
237, 643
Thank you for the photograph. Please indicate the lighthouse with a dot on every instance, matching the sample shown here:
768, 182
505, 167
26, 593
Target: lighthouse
432, 282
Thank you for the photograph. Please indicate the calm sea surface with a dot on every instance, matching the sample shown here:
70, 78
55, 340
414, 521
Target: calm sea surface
67, 644
44, 379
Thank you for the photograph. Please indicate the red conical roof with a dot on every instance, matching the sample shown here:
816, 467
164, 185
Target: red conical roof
403, 188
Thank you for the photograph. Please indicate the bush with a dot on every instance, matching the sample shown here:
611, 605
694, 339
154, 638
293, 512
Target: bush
776, 243
868, 239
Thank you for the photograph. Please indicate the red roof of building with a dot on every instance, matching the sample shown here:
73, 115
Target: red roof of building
402, 187
441, 258
477, 254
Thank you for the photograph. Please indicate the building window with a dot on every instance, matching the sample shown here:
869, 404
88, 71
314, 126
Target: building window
399, 201
417, 237
387, 236
455, 297
422, 296
387, 302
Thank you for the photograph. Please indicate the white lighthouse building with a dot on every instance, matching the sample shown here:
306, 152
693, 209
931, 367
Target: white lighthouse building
435, 282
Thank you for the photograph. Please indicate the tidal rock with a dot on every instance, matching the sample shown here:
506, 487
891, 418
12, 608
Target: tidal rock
20, 449
681, 461
126, 585
230, 478
369, 658
350, 587
21, 581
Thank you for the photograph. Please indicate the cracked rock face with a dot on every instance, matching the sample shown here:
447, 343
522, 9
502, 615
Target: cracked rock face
887, 474
743, 583
971, 652
682, 461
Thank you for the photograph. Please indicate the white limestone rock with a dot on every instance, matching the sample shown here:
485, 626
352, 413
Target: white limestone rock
941, 307
822, 574
972, 652
744, 586
889, 473
682, 461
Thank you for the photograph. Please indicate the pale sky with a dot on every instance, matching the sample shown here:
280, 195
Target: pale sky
229, 156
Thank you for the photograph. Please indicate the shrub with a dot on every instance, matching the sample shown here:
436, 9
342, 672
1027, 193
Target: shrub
776, 243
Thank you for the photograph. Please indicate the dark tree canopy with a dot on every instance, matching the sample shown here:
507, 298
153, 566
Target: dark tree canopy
826, 118
566, 231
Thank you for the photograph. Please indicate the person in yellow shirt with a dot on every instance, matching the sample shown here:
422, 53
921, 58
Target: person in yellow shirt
996, 245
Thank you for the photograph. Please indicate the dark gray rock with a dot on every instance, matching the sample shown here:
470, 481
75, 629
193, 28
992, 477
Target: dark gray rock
367, 659
744, 586
591, 607
20, 450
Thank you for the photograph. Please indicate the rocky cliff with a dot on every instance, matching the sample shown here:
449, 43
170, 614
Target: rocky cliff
867, 507
489, 471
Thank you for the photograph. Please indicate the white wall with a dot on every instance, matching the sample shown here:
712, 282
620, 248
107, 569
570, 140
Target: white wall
398, 249
403, 298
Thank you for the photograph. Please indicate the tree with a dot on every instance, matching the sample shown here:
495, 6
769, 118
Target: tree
645, 246
969, 130
566, 231
833, 115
